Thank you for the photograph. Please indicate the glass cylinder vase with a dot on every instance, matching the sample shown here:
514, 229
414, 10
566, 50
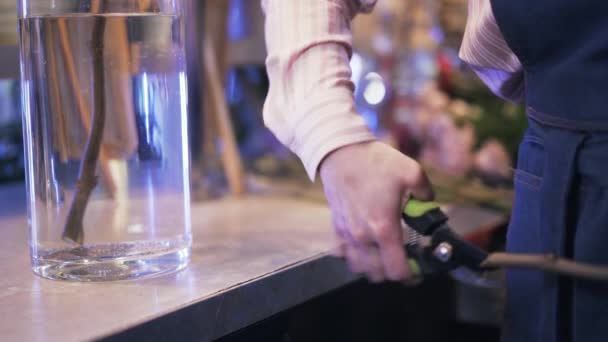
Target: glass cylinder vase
104, 98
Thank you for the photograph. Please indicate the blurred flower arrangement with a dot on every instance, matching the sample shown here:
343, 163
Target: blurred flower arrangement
434, 108
465, 137
469, 139
466, 129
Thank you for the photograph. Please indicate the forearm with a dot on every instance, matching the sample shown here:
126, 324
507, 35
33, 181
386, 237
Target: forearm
310, 105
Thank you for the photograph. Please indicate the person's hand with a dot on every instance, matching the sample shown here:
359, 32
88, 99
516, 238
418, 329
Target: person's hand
366, 186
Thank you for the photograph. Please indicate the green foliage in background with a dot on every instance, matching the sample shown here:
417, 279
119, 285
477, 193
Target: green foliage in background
498, 118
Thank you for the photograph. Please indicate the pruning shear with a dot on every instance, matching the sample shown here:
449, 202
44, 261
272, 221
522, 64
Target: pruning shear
447, 252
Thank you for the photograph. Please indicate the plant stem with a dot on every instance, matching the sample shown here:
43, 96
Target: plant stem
87, 179
547, 263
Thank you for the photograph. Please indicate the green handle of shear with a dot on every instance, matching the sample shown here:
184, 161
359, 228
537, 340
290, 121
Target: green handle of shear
415, 208
421, 216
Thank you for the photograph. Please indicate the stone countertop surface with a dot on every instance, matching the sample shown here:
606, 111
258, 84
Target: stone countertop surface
251, 258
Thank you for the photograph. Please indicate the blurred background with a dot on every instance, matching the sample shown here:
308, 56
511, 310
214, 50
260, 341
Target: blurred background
411, 88
11, 148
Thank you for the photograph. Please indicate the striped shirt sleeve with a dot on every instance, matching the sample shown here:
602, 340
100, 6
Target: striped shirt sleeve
310, 105
486, 51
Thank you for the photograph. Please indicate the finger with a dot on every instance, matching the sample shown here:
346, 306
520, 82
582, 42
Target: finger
419, 186
362, 251
340, 239
365, 259
373, 266
368, 248
394, 259
353, 258
364, 254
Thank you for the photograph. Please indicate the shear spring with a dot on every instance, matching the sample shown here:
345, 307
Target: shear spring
413, 237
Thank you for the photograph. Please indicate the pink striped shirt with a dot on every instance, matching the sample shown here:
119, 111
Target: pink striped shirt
310, 105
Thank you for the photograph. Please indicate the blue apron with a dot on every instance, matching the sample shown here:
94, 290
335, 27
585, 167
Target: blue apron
561, 207
561, 181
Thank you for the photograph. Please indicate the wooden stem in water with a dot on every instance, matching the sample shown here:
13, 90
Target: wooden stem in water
87, 179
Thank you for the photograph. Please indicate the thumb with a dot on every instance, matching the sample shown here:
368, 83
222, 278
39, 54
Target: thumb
421, 189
